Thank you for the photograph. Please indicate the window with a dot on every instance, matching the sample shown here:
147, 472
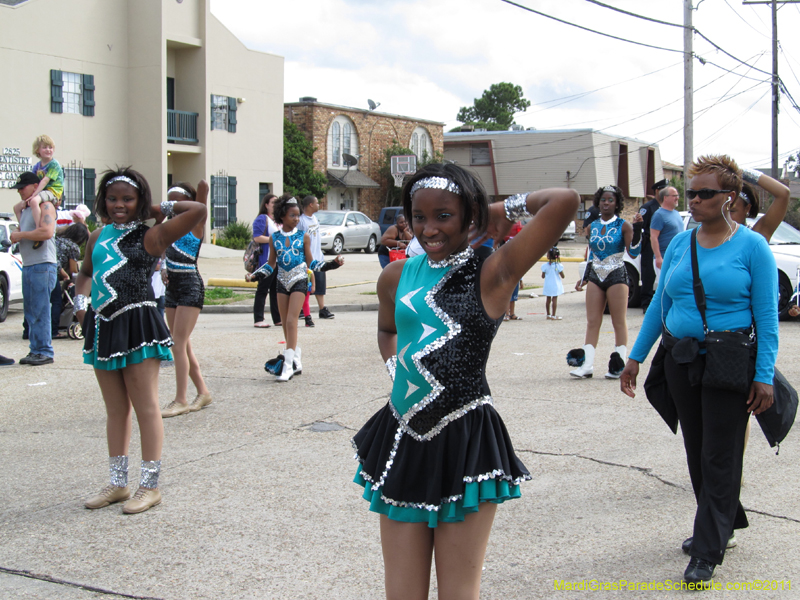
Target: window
223, 201
479, 154
78, 188
337, 144
421, 144
263, 190
342, 139
351, 219
223, 113
362, 219
71, 93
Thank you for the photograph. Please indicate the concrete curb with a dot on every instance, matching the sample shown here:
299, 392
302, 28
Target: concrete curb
228, 309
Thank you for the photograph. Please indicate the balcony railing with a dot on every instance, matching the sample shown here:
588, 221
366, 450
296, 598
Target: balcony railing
181, 127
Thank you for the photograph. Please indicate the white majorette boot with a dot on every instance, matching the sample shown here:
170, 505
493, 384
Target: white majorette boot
586, 369
616, 363
287, 372
298, 366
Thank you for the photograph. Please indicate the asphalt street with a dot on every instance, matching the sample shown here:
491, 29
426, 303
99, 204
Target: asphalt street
258, 493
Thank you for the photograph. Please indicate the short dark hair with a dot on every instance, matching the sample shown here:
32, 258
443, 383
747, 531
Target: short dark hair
620, 197
752, 198
473, 195
262, 208
308, 200
281, 207
188, 187
145, 196
77, 232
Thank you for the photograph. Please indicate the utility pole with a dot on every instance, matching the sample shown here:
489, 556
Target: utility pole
775, 80
688, 99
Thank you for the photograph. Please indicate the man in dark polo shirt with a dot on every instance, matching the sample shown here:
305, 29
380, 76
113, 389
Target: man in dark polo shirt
648, 272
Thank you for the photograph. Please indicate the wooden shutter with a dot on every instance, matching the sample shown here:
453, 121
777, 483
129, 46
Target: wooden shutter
231, 199
232, 116
87, 93
89, 177
56, 89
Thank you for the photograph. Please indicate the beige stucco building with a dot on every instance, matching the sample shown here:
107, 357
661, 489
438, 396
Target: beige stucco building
510, 162
160, 85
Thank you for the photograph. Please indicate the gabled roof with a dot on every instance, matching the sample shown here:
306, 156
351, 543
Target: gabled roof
12, 2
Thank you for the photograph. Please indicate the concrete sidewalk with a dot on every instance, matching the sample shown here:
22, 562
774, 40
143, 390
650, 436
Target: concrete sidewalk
258, 493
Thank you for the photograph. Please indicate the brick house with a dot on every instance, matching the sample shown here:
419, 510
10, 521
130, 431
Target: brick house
337, 130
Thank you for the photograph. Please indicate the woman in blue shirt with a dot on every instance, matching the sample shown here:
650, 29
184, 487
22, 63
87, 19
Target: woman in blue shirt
739, 277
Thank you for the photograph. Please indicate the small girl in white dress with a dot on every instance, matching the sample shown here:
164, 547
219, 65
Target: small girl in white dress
553, 273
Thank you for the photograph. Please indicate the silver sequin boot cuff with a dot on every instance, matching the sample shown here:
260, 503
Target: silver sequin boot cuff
118, 470
150, 472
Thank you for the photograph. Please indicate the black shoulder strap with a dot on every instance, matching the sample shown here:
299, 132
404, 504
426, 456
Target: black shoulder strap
697, 285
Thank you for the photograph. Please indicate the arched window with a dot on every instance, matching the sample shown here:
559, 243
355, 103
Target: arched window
421, 144
342, 139
336, 154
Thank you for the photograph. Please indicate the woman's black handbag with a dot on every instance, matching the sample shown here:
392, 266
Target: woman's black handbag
730, 355
778, 419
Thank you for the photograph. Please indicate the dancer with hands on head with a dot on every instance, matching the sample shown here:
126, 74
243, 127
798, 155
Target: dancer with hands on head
184, 300
606, 278
126, 337
437, 459
290, 251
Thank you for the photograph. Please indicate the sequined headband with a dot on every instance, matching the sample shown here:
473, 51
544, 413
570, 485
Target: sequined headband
744, 198
436, 183
179, 190
610, 188
291, 200
127, 180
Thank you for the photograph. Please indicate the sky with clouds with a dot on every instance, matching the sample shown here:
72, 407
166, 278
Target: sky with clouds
428, 58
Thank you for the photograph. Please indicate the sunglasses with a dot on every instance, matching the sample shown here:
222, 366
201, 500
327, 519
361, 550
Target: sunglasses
705, 193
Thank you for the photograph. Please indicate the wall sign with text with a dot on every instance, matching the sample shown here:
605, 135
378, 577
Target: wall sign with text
12, 163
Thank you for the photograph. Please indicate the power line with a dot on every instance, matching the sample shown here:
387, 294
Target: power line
589, 29
746, 22
625, 12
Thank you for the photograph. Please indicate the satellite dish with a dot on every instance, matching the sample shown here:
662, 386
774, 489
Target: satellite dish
373, 105
349, 160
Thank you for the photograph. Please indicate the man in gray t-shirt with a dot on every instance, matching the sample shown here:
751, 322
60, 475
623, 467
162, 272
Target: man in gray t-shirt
39, 264
665, 225
309, 224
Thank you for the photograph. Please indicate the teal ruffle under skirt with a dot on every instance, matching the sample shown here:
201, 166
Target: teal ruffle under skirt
492, 490
133, 358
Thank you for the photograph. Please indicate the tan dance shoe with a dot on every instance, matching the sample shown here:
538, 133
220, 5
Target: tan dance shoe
174, 409
201, 401
141, 501
108, 495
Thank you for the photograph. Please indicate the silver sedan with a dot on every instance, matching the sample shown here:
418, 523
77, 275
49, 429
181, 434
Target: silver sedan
347, 230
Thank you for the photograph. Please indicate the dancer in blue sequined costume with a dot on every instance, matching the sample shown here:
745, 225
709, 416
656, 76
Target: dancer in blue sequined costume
290, 252
126, 338
184, 301
437, 459
606, 281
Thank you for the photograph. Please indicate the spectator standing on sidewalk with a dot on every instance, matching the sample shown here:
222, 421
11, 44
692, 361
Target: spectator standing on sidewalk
310, 225
263, 228
665, 225
38, 266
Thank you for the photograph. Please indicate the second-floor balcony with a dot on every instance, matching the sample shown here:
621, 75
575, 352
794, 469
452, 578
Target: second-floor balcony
181, 127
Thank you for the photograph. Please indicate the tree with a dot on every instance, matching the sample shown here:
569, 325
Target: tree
385, 169
495, 109
299, 177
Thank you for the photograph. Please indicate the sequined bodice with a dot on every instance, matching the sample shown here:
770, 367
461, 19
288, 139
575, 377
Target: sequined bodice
609, 243
122, 270
182, 255
290, 256
443, 342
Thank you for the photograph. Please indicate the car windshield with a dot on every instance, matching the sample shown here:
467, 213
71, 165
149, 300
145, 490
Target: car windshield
328, 217
785, 234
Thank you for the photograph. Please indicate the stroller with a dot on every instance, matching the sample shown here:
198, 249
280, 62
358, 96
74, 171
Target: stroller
68, 320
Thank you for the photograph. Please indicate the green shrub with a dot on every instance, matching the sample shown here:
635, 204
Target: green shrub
236, 235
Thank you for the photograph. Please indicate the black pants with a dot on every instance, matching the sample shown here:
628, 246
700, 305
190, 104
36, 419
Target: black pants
713, 423
648, 273
267, 286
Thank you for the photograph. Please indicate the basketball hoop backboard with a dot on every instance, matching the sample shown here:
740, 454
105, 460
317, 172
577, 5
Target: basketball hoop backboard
401, 166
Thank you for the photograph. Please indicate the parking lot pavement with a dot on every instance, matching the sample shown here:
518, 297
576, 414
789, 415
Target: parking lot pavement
258, 493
